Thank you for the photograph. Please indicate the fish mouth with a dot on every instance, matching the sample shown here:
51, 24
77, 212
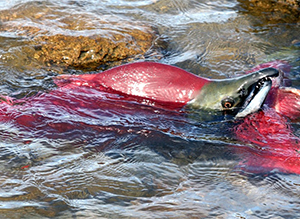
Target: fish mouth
257, 94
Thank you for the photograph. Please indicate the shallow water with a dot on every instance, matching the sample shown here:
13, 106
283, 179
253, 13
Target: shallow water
151, 163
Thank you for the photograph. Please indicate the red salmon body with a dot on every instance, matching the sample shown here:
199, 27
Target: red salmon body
273, 146
159, 83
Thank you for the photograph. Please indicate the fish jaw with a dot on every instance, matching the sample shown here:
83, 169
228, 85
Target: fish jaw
257, 101
281, 65
284, 99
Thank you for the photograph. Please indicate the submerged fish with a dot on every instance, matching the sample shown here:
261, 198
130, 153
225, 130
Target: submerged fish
175, 90
274, 146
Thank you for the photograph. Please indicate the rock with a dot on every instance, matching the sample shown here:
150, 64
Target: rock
90, 52
274, 10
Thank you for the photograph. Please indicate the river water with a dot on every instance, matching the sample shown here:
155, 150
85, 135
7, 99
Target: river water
152, 163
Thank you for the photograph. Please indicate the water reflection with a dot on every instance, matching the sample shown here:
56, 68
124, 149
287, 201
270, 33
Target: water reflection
151, 164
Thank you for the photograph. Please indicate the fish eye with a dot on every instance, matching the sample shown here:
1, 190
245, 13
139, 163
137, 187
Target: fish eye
227, 103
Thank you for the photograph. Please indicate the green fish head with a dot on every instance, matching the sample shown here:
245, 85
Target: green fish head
237, 96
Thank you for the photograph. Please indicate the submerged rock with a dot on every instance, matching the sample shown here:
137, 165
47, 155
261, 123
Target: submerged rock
90, 52
274, 10
72, 38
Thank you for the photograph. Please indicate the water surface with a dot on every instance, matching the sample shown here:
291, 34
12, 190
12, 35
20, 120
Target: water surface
153, 163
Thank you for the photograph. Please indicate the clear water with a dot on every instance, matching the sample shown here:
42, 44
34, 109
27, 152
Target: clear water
150, 164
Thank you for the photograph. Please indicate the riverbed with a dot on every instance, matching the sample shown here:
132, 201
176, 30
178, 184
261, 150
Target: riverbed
153, 163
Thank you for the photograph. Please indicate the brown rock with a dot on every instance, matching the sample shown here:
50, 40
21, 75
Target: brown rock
274, 10
90, 52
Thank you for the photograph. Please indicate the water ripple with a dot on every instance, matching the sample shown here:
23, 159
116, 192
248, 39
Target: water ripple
112, 158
